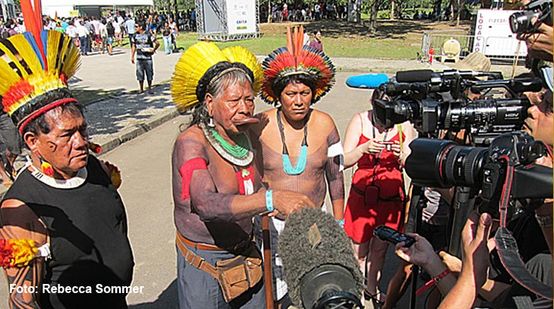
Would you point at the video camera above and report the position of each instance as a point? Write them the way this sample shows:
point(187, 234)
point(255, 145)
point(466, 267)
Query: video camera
point(436, 101)
point(522, 22)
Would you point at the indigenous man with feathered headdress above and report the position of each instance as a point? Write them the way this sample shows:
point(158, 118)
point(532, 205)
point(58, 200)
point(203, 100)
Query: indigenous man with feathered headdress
point(63, 230)
point(301, 145)
point(217, 187)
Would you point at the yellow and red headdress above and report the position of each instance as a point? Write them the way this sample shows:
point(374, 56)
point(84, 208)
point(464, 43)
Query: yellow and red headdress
point(34, 68)
point(203, 62)
point(296, 59)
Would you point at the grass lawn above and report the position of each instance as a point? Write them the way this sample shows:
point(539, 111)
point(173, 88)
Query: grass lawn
point(393, 40)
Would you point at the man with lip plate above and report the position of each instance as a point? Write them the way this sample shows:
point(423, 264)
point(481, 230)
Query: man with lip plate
point(217, 188)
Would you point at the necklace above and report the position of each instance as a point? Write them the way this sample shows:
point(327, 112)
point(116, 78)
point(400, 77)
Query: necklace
point(239, 154)
point(302, 158)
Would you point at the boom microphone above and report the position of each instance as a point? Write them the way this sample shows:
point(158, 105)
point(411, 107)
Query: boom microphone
point(367, 81)
point(320, 268)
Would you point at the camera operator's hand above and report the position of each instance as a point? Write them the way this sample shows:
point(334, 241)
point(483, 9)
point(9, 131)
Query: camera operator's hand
point(453, 263)
point(475, 263)
point(371, 147)
point(420, 253)
point(539, 45)
point(287, 202)
point(475, 236)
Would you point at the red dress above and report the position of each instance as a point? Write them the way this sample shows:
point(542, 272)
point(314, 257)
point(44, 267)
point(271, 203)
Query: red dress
point(369, 208)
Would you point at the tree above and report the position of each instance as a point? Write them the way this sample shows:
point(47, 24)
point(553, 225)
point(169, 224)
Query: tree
point(373, 16)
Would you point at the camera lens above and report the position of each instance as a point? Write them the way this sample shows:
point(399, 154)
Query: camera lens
point(462, 166)
point(451, 165)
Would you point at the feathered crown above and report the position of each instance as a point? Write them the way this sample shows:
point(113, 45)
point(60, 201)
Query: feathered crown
point(204, 62)
point(296, 59)
point(34, 68)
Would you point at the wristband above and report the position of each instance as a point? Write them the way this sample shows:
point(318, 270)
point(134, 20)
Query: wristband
point(340, 222)
point(269, 200)
point(434, 281)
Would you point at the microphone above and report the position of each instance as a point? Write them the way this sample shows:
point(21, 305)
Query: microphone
point(320, 268)
point(367, 81)
point(412, 76)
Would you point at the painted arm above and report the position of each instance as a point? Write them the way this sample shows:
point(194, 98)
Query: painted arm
point(334, 175)
point(20, 222)
point(211, 205)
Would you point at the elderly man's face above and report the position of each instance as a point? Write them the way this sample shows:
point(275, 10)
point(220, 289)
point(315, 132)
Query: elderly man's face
point(66, 145)
point(233, 109)
point(296, 99)
point(539, 122)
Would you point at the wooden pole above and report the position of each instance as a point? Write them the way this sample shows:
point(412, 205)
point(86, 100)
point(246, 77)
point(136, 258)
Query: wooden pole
point(268, 271)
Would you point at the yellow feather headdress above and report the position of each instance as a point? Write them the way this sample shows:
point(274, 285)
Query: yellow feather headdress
point(34, 68)
point(197, 68)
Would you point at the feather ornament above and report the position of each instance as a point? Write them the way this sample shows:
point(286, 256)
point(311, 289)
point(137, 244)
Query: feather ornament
point(196, 61)
point(297, 59)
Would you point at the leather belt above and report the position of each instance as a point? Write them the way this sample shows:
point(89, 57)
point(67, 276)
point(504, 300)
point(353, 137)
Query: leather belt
point(197, 245)
point(194, 259)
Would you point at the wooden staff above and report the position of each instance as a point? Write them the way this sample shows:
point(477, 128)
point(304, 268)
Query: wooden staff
point(268, 271)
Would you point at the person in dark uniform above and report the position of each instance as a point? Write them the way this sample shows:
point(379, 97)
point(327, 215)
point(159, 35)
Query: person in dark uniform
point(63, 227)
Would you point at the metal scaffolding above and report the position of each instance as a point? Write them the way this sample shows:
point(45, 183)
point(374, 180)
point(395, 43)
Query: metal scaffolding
point(219, 12)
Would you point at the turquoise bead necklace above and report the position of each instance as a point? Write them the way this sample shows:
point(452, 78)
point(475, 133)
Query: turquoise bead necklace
point(302, 158)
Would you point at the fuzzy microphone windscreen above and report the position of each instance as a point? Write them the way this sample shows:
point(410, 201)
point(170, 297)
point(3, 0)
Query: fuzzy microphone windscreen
point(310, 239)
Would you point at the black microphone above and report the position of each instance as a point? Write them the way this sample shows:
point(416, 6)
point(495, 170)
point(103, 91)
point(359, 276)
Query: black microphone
point(412, 76)
point(321, 270)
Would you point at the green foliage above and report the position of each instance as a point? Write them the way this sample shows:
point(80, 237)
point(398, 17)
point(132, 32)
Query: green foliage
point(369, 47)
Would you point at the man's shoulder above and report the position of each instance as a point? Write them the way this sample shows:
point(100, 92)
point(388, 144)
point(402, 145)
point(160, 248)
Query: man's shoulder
point(322, 118)
point(191, 134)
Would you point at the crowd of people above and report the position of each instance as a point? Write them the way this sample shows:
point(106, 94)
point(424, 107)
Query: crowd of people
point(236, 175)
point(307, 12)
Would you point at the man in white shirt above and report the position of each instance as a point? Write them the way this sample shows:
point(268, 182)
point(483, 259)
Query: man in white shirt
point(130, 28)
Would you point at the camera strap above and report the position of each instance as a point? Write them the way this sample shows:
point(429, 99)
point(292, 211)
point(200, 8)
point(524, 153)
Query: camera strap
point(506, 244)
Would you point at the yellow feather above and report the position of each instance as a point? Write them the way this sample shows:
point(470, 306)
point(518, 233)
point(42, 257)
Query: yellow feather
point(26, 53)
point(244, 56)
point(10, 57)
point(71, 59)
point(7, 76)
point(190, 68)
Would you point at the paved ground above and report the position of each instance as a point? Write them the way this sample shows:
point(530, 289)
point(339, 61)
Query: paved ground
point(145, 160)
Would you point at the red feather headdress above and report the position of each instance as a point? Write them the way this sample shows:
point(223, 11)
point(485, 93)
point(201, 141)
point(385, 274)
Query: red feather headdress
point(296, 59)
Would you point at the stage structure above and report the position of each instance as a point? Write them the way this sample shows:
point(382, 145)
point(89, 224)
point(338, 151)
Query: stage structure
point(227, 20)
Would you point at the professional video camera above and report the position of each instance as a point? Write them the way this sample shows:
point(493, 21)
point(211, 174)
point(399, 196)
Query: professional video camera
point(522, 22)
point(437, 101)
point(442, 163)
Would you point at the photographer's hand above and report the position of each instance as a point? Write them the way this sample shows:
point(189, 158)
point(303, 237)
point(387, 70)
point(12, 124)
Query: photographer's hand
point(420, 253)
point(453, 263)
point(539, 45)
point(475, 263)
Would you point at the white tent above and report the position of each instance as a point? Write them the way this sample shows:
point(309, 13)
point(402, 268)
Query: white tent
point(65, 8)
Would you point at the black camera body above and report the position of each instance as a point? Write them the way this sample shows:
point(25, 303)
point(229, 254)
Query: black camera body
point(442, 163)
point(522, 22)
point(438, 101)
